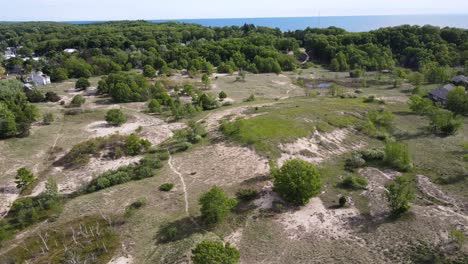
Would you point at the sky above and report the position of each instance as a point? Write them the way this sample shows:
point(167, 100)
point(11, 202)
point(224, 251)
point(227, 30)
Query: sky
point(82, 10)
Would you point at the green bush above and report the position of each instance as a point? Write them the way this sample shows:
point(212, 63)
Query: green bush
point(77, 101)
point(354, 182)
point(397, 156)
point(211, 252)
point(115, 117)
point(355, 161)
point(246, 194)
point(166, 187)
point(445, 123)
point(399, 195)
point(82, 84)
point(372, 154)
point(422, 106)
point(48, 118)
point(457, 101)
point(129, 210)
point(154, 106)
point(355, 73)
point(215, 205)
point(342, 201)
point(251, 98)
point(135, 145)
point(296, 181)
point(24, 178)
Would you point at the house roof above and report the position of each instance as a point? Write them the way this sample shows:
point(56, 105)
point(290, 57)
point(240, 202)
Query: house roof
point(459, 79)
point(442, 91)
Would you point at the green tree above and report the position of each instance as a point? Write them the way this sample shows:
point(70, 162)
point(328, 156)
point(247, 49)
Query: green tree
point(8, 126)
point(135, 145)
point(149, 71)
point(154, 106)
point(420, 105)
point(297, 181)
point(24, 178)
point(115, 117)
point(222, 95)
point(82, 84)
point(399, 195)
point(51, 189)
point(457, 101)
point(397, 155)
point(206, 80)
point(77, 101)
point(445, 122)
point(215, 205)
point(59, 74)
point(211, 252)
point(334, 65)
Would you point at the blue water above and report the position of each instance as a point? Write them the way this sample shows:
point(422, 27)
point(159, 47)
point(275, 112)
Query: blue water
point(350, 23)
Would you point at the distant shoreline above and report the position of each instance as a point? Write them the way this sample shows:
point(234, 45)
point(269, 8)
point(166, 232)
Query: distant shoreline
point(350, 23)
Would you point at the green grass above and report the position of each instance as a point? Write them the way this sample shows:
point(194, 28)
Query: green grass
point(285, 122)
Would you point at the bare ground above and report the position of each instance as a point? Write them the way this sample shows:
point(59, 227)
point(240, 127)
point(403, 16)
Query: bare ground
point(319, 146)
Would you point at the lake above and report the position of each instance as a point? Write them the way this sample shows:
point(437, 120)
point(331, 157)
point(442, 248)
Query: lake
point(350, 23)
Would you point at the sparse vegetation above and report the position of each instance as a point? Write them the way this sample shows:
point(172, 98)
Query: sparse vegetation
point(397, 156)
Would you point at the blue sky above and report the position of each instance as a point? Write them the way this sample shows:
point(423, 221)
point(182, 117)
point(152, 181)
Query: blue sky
point(68, 10)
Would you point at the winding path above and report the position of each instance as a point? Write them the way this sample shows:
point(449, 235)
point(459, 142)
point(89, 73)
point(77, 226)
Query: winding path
point(184, 187)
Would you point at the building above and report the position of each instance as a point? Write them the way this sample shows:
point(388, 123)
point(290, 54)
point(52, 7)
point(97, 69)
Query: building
point(9, 53)
point(39, 78)
point(460, 80)
point(439, 95)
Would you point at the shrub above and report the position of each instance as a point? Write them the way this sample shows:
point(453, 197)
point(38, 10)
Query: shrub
point(222, 95)
point(342, 201)
point(372, 154)
point(355, 161)
point(297, 181)
point(355, 73)
point(246, 194)
point(34, 96)
point(129, 210)
point(444, 122)
point(154, 106)
point(354, 182)
point(397, 155)
point(115, 117)
point(82, 84)
point(165, 187)
point(149, 71)
point(77, 101)
point(52, 97)
point(251, 98)
point(135, 145)
point(24, 178)
point(210, 252)
point(48, 118)
point(457, 101)
point(215, 205)
point(422, 106)
point(457, 236)
point(399, 195)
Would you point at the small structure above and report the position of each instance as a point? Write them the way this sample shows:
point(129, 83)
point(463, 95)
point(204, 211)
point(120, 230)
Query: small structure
point(38, 78)
point(70, 51)
point(460, 80)
point(10, 52)
point(439, 95)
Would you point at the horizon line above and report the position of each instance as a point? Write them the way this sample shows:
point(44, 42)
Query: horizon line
point(233, 18)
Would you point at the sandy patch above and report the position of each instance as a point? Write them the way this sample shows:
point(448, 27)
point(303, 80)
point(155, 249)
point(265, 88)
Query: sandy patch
point(430, 189)
point(8, 194)
point(235, 238)
point(319, 146)
point(227, 165)
point(267, 197)
point(71, 180)
point(375, 192)
point(316, 219)
point(212, 120)
point(154, 129)
point(122, 260)
point(394, 99)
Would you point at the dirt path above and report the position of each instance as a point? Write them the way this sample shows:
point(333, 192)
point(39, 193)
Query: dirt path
point(184, 187)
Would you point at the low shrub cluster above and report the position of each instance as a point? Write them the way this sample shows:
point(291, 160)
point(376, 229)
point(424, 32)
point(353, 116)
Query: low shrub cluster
point(397, 156)
point(378, 124)
point(143, 169)
point(130, 210)
point(166, 187)
point(116, 146)
point(354, 182)
point(359, 158)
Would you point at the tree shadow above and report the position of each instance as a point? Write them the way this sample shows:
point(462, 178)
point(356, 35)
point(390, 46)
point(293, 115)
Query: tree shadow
point(422, 132)
point(256, 179)
point(179, 229)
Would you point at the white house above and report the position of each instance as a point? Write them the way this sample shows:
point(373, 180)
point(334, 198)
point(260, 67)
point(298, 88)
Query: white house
point(39, 78)
point(70, 51)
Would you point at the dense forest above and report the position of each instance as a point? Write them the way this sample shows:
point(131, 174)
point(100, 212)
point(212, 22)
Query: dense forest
point(109, 47)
